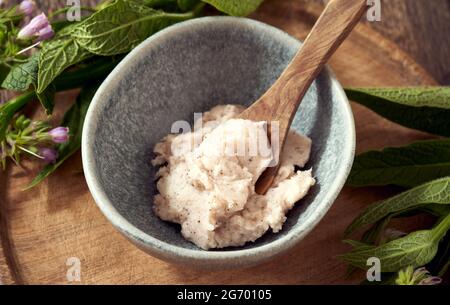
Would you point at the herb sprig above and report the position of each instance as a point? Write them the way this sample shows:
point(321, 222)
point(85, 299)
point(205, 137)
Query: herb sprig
point(423, 168)
point(49, 55)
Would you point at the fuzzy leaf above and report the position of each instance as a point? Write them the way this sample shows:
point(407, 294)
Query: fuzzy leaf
point(56, 56)
point(404, 166)
point(235, 7)
point(415, 249)
point(23, 75)
point(426, 109)
point(437, 191)
point(120, 27)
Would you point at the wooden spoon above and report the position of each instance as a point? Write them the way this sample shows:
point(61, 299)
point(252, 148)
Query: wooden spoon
point(280, 103)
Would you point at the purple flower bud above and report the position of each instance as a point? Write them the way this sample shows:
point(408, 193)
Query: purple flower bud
point(432, 280)
point(48, 154)
point(36, 24)
point(59, 134)
point(27, 7)
point(46, 33)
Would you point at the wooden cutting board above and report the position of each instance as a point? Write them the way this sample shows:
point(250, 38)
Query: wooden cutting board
point(42, 228)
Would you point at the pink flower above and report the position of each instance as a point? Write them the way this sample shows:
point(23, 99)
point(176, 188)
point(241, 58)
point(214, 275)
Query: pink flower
point(27, 7)
point(48, 154)
point(59, 134)
point(46, 33)
point(36, 24)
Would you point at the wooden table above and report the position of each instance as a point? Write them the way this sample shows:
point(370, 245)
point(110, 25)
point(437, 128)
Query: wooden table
point(420, 27)
point(40, 229)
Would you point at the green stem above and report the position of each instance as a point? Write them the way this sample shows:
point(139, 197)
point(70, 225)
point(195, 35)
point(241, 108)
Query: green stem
point(8, 110)
point(67, 81)
point(184, 16)
point(157, 3)
point(90, 73)
point(30, 152)
point(65, 9)
point(441, 229)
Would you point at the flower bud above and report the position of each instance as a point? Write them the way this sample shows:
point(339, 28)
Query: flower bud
point(46, 33)
point(59, 134)
point(36, 24)
point(48, 154)
point(27, 7)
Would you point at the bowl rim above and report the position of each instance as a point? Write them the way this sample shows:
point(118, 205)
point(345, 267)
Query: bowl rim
point(172, 252)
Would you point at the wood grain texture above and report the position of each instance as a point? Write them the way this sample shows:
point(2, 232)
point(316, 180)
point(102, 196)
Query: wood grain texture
point(421, 28)
point(42, 228)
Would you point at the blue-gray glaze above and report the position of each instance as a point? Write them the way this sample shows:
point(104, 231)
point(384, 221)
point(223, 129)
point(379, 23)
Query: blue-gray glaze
point(187, 68)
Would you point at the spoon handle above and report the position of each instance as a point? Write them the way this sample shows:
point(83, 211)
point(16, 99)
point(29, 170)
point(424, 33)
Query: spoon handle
point(281, 101)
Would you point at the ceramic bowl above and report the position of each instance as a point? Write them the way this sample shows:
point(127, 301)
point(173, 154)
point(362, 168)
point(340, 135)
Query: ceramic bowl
point(191, 67)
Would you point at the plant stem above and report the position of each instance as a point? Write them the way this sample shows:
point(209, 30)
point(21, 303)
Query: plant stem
point(67, 81)
point(8, 110)
point(65, 9)
point(90, 73)
point(441, 229)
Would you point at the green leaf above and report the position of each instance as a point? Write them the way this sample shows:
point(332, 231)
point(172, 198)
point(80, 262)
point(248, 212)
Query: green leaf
point(155, 3)
point(74, 119)
point(23, 75)
point(235, 7)
point(8, 109)
point(372, 235)
point(61, 25)
point(120, 27)
point(4, 71)
point(56, 56)
point(440, 263)
point(186, 5)
point(437, 210)
point(404, 166)
point(415, 249)
point(437, 191)
point(47, 99)
point(426, 109)
point(358, 245)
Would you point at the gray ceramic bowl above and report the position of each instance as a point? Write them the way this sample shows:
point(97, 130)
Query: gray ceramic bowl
point(187, 68)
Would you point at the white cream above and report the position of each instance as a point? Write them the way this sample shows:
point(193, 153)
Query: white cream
point(211, 192)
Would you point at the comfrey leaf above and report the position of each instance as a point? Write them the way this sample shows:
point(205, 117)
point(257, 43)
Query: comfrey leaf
point(186, 5)
point(440, 263)
point(47, 98)
point(73, 120)
point(4, 71)
point(371, 236)
point(10, 108)
point(406, 166)
point(120, 27)
point(235, 7)
point(358, 245)
point(426, 109)
point(56, 56)
point(23, 75)
point(416, 249)
point(437, 192)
